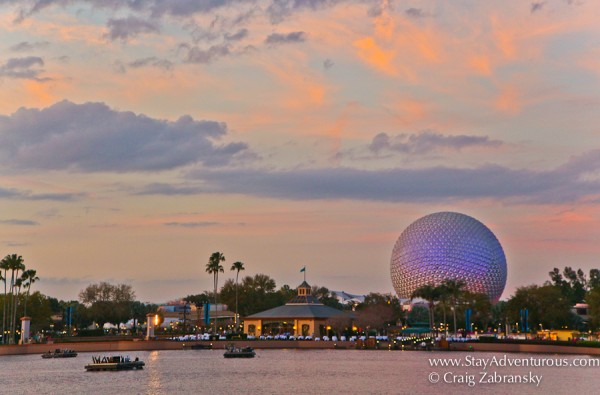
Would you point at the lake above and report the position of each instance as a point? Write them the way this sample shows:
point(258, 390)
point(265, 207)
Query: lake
point(306, 372)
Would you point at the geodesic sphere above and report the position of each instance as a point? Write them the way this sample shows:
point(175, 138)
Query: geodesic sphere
point(448, 245)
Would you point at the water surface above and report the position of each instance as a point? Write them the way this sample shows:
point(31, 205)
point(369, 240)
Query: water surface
point(292, 371)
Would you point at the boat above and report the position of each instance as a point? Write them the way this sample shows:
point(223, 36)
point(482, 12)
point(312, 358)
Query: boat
point(59, 353)
point(117, 362)
point(200, 346)
point(236, 352)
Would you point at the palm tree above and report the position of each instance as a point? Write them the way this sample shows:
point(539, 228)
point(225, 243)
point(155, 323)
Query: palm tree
point(214, 267)
point(238, 266)
point(3, 266)
point(14, 263)
point(29, 277)
point(455, 290)
point(430, 293)
point(443, 295)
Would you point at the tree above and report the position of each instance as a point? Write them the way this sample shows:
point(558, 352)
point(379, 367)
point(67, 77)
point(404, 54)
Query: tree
point(378, 311)
point(14, 263)
point(594, 281)
point(40, 310)
point(546, 305)
point(237, 266)
point(29, 276)
point(4, 266)
point(443, 298)
point(326, 297)
point(593, 299)
point(572, 284)
point(214, 267)
point(481, 308)
point(429, 293)
point(256, 293)
point(107, 302)
point(417, 314)
point(454, 290)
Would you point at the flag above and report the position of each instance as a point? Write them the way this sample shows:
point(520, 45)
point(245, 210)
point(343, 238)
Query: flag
point(303, 269)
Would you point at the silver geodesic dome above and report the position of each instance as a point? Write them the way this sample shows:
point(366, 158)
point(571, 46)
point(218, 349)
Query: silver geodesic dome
point(448, 245)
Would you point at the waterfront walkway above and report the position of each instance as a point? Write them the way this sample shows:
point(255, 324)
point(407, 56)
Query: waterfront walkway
point(120, 346)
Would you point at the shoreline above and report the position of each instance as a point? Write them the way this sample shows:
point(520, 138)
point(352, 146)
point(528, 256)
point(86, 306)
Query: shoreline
point(152, 345)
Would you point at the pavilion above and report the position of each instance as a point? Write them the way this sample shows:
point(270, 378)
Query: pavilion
point(303, 315)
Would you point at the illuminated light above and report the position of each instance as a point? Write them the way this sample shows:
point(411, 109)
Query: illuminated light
point(448, 245)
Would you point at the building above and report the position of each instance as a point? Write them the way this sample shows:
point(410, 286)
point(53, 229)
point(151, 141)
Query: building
point(304, 315)
point(346, 298)
point(175, 313)
point(448, 246)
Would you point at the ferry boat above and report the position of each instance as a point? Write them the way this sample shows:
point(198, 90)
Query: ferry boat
point(201, 346)
point(59, 353)
point(235, 352)
point(117, 362)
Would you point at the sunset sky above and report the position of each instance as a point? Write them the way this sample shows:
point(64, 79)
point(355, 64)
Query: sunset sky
point(138, 137)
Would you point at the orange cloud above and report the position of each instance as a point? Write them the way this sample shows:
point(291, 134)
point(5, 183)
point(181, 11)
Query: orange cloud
point(38, 93)
point(370, 52)
point(481, 64)
point(508, 100)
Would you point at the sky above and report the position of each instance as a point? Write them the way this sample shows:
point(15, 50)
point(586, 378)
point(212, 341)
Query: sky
point(139, 137)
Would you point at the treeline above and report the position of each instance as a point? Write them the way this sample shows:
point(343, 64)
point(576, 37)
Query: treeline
point(17, 281)
point(260, 292)
point(548, 306)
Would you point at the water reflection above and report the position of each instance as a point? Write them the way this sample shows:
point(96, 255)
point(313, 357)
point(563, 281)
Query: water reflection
point(154, 387)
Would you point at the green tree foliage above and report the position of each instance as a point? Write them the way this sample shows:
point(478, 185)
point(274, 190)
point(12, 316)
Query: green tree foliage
point(572, 284)
point(326, 297)
point(214, 267)
point(594, 280)
point(378, 311)
point(256, 293)
point(546, 305)
point(431, 294)
point(108, 303)
point(237, 266)
point(287, 293)
point(593, 300)
point(481, 310)
point(499, 313)
point(198, 299)
point(40, 311)
point(14, 278)
point(417, 314)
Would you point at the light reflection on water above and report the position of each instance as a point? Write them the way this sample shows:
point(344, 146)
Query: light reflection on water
point(279, 371)
point(153, 371)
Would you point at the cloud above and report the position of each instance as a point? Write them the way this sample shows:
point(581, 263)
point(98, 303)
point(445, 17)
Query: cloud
point(237, 36)
point(25, 46)
point(191, 224)
point(168, 189)
point(578, 180)
point(24, 222)
point(204, 56)
point(328, 64)
point(125, 28)
point(278, 10)
point(151, 61)
point(6, 193)
point(92, 137)
point(537, 6)
point(278, 38)
point(415, 13)
point(23, 68)
point(428, 141)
